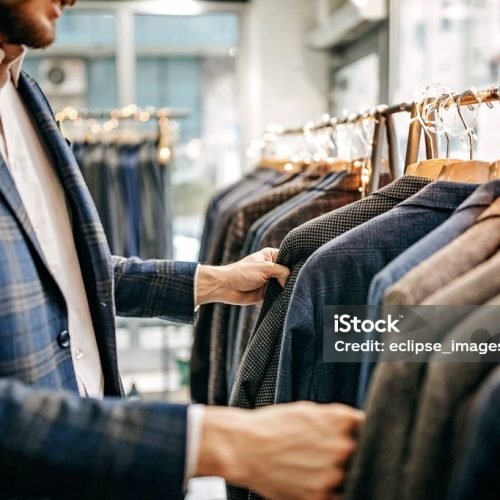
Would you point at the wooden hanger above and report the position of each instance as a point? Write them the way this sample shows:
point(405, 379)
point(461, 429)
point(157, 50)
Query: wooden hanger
point(283, 165)
point(495, 170)
point(369, 167)
point(392, 148)
point(370, 180)
point(431, 169)
point(470, 172)
point(453, 170)
point(328, 166)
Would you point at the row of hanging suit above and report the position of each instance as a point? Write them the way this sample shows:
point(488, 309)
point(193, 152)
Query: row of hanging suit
point(132, 193)
point(430, 237)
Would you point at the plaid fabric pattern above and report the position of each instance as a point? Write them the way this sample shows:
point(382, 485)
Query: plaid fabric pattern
point(255, 383)
point(56, 445)
point(240, 222)
point(50, 434)
point(154, 289)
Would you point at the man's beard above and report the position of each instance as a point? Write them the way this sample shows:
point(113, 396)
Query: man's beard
point(19, 28)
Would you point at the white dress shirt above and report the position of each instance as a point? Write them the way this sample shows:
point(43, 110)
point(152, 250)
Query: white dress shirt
point(43, 197)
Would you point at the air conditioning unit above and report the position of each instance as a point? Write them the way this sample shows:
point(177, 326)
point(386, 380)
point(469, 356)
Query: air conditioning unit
point(63, 77)
point(348, 20)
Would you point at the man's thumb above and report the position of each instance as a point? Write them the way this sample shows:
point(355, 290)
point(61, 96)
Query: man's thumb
point(279, 272)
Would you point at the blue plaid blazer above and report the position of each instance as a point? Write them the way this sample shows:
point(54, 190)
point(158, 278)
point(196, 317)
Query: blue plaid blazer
point(52, 442)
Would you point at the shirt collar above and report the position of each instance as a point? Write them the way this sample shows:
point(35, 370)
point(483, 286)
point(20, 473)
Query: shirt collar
point(11, 60)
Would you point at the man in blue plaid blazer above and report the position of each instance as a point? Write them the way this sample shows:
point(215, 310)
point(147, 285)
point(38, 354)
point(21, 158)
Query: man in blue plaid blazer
point(54, 441)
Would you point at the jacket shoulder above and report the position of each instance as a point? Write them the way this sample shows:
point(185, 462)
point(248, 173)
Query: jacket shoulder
point(30, 80)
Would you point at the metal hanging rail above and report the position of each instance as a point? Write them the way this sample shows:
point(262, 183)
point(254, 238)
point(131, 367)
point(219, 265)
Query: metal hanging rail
point(160, 116)
point(131, 112)
point(468, 98)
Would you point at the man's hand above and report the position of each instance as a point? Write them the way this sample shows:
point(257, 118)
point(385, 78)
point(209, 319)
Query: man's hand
point(298, 451)
point(241, 283)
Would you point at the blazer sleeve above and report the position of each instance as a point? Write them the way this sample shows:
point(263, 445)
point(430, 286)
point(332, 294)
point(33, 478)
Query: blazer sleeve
point(58, 445)
point(155, 289)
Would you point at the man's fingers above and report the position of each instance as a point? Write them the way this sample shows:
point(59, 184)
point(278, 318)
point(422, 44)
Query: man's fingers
point(270, 254)
point(346, 450)
point(264, 255)
point(279, 272)
point(347, 410)
point(352, 417)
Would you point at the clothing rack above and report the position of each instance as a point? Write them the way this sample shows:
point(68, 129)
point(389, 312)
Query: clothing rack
point(132, 112)
point(467, 98)
point(384, 113)
point(330, 122)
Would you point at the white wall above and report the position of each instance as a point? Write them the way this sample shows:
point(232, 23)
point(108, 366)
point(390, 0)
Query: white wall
point(220, 135)
point(280, 80)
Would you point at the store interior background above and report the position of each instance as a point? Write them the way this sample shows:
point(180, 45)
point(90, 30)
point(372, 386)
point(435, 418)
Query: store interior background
point(238, 67)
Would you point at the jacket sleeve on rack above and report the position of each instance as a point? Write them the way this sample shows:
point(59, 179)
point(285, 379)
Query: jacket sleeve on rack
point(155, 289)
point(58, 445)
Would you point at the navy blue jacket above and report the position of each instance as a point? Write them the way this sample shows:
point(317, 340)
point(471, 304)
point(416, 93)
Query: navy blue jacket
point(340, 273)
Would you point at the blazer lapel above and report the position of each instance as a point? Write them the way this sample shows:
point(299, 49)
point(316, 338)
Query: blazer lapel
point(85, 217)
point(93, 250)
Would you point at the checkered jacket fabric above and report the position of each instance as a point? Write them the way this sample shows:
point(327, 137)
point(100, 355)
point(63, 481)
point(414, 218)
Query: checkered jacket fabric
point(51, 438)
point(255, 382)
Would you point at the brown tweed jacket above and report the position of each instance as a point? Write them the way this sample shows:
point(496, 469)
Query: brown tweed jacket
point(467, 251)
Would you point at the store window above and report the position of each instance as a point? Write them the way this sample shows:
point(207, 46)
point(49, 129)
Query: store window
point(189, 63)
point(201, 33)
point(80, 68)
point(455, 43)
point(352, 90)
point(86, 28)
